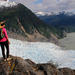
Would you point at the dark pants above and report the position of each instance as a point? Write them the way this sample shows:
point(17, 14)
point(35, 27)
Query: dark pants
point(3, 45)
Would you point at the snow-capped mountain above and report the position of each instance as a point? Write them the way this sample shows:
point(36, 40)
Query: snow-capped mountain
point(7, 4)
point(42, 52)
point(46, 13)
point(42, 13)
point(53, 13)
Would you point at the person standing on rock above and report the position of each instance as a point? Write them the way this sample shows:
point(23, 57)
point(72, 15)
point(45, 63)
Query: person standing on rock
point(4, 42)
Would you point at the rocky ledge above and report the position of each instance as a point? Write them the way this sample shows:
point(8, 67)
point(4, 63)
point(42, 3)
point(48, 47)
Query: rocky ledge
point(19, 66)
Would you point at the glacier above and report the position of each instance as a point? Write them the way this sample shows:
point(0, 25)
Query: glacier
point(42, 52)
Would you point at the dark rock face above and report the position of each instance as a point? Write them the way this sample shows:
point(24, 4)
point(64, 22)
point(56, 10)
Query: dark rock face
point(67, 71)
point(19, 66)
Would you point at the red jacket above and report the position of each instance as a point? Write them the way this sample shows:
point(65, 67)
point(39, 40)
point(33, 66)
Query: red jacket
point(5, 33)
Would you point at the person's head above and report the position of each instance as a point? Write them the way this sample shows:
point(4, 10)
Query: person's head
point(2, 24)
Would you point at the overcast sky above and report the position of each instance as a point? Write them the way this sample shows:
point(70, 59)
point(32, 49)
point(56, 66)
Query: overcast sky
point(49, 5)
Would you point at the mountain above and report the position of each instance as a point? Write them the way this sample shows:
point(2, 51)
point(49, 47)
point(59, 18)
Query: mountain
point(21, 20)
point(63, 21)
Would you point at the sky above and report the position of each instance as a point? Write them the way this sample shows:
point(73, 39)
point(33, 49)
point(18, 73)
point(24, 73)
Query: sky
point(49, 5)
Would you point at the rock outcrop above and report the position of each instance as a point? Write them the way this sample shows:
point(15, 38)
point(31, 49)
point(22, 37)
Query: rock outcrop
point(19, 66)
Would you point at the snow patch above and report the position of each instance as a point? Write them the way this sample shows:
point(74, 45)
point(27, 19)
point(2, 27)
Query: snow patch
point(40, 13)
point(7, 4)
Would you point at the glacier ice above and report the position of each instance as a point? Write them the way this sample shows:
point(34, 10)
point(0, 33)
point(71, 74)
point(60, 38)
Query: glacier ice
point(42, 52)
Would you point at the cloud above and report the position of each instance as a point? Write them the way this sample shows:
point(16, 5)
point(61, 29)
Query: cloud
point(49, 5)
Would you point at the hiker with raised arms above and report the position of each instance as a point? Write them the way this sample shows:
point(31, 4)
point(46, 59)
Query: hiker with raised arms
point(4, 42)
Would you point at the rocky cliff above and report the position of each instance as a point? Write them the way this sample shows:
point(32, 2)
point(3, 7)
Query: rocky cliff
point(19, 66)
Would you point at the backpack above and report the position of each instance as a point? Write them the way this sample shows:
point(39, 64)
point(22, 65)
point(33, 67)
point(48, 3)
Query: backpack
point(1, 34)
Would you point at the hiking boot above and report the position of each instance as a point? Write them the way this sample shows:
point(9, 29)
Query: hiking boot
point(5, 59)
point(8, 59)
